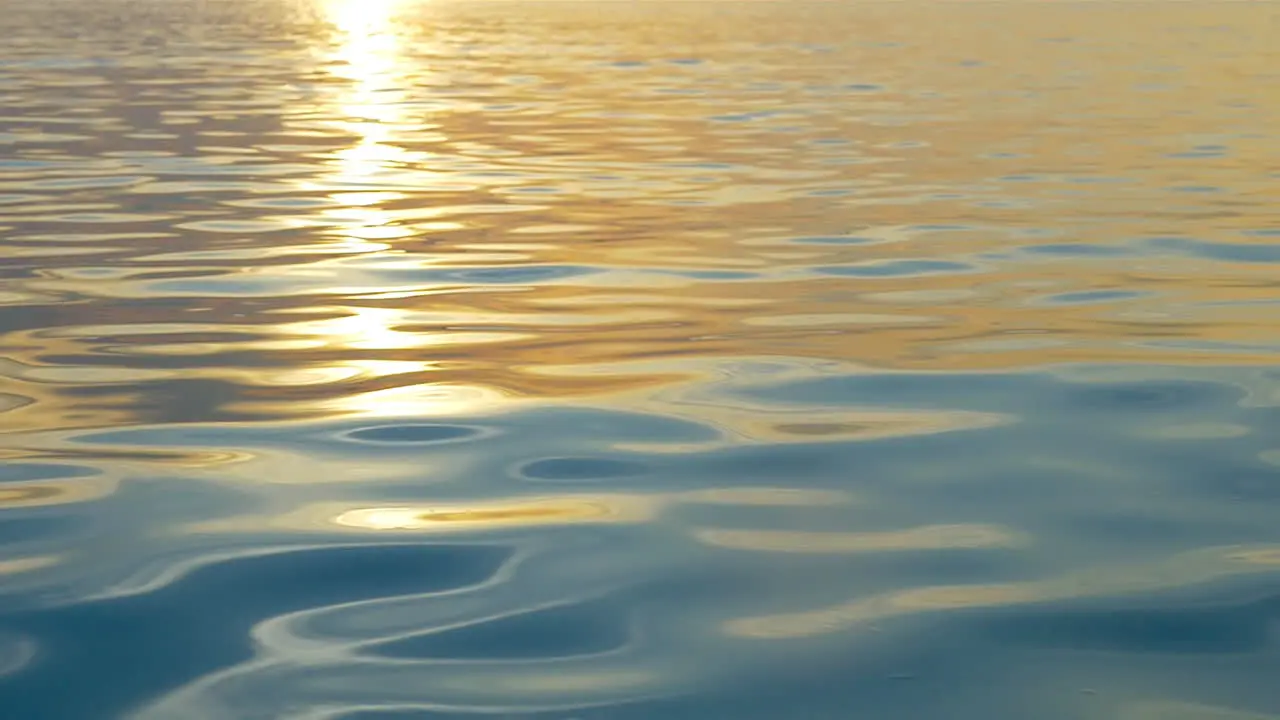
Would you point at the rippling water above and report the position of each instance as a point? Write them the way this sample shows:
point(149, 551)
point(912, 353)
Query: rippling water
point(394, 359)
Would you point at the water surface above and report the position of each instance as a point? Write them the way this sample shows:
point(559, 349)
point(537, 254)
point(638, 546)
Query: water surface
point(391, 359)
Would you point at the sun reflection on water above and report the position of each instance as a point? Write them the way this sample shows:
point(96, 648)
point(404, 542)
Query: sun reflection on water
point(374, 110)
point(367, 56)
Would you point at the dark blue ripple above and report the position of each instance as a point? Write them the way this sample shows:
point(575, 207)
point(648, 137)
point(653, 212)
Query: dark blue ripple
point(897, 268)
point(513, 274)
point(1194, 631)
point(212, 610)
point(19, 472)
point(1077, 250)
point(1230, 252)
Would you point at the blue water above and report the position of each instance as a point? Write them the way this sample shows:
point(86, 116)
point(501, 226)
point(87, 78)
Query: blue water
point(590, 360)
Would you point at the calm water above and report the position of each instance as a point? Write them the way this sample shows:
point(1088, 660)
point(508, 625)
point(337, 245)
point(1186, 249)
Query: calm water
point(374, 359)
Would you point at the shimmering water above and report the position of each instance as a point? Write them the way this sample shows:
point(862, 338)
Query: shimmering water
point(390, 359)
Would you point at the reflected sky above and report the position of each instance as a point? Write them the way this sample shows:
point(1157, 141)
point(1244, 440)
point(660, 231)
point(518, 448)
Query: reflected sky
point(615, 360)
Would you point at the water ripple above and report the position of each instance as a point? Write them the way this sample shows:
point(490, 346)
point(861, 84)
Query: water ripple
point(387, 358)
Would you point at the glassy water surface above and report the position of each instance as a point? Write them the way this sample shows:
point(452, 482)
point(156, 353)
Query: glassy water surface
point(391, 359)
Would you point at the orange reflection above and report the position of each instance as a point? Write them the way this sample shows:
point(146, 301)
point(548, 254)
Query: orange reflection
point(537, 512)
point(300, 293)
point(517, 512)
point(53, 492)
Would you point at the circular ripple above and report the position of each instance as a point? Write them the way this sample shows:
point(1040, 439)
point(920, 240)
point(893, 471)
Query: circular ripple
point(413, 434)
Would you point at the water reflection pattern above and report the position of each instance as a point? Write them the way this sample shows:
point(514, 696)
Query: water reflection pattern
point(618, 360)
